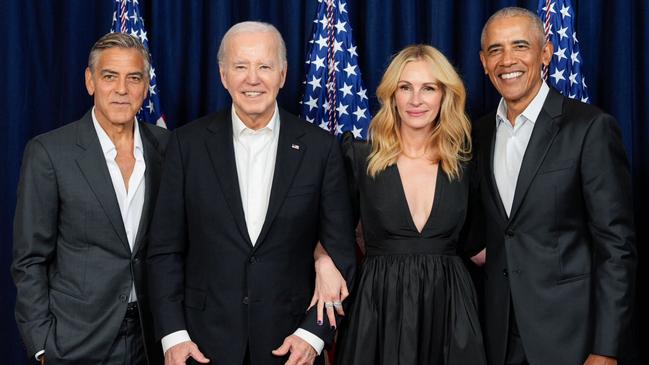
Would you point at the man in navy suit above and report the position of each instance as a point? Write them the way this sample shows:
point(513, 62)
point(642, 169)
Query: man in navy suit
point(245, 196)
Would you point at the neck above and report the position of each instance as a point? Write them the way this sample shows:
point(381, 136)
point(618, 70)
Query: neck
point(517, 107)
point(118, 133)
point(415, 143)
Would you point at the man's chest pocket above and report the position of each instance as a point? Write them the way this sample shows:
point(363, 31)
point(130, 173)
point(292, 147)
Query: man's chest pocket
point(557, 166)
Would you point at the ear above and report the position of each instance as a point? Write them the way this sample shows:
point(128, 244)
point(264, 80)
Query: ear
point(90, 83)
point(546, 53)
point(224, 79)
point(283, 74)
point(483, 60)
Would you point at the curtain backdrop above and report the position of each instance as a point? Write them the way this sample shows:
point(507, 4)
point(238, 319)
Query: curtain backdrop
point(46, 45)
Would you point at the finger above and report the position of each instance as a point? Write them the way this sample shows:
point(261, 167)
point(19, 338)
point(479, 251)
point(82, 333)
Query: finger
point(314, 300)
point(344, 293)
point(292, 360)
point(332, 317)
point(339, 310)
point(319, 312)
point(282, 350)
point(198, 355)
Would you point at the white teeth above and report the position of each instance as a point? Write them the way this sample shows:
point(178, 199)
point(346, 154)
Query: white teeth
point(252, 93)
point(511, 75)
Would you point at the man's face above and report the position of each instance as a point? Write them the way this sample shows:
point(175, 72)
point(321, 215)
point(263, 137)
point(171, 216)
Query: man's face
point(119, 85)
point(512, 57)
point(253, 73)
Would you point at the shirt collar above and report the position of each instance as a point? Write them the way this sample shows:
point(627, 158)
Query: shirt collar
point(107, 145)
point(531, 113)
point(238, 127)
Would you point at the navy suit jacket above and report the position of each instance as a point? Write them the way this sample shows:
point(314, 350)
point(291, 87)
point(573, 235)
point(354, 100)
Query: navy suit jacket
point(208, 278)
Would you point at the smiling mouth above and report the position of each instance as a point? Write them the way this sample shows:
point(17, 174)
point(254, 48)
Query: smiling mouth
point(252, 94)
point(416, 113)
point(511, 75)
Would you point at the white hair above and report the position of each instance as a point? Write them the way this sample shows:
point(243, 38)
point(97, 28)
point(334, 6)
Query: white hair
point(253, 27)
point(513, 11)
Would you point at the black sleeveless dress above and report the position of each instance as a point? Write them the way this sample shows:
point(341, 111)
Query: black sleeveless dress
point(413, 301)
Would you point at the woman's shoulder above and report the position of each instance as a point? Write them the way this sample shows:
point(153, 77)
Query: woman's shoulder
point(355, 148)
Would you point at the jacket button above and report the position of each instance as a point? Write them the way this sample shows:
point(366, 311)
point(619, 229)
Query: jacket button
point(505, 273)
point(252, 259)
point(509, 233)
point(122, 298)
point(245, 300)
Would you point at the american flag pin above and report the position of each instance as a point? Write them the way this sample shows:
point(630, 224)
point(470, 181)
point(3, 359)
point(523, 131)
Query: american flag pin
point(295, 146)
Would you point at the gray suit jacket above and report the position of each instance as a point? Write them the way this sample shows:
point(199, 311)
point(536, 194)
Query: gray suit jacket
point(73, 267)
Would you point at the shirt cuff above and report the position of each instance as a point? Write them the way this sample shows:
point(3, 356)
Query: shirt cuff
point(38, 355)
point(173, 339)
point(313, 340)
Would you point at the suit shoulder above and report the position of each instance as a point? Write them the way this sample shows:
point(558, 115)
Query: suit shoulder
point(309, 129)
point(575, 109)
point(198, 126)
point(60, 136)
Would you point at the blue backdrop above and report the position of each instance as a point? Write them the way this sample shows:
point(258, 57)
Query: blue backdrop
point(46, 45)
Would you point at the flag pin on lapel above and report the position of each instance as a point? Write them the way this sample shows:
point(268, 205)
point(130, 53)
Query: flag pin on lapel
point(295, 146)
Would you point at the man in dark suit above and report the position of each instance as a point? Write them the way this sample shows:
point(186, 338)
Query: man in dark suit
point(245, 196)
point(85, 198)
point(556, 201)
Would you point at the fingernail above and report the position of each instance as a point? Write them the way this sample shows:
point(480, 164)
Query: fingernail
point(333, 327)
point(319, 323)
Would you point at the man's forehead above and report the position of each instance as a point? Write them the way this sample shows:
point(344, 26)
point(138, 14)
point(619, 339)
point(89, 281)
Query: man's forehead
point(510, 30)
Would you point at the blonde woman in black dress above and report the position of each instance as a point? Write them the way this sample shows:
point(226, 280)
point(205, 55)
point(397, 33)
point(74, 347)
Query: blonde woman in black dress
point(413, 302)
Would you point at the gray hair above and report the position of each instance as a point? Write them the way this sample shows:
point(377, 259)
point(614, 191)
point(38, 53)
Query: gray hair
point(513, 11)
point(120, 40)
point(253, 27)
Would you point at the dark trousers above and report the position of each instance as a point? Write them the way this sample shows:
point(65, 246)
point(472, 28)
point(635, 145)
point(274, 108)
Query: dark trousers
point(128, 348)
point(515, 350)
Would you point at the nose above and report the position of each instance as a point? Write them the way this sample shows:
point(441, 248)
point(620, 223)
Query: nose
point(252, 77)
point(120, 87)
point(415, 97)
point(508, 57)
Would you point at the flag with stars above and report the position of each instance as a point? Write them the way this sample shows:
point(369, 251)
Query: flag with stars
point(565, 69)
point(127, 19)
point(334, 97)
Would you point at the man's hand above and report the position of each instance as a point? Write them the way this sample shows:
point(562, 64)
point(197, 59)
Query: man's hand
point(330, 287)
point(42, 359)
point(301, 352)
point(178, 354)
point(600, 360)
point(480, 258)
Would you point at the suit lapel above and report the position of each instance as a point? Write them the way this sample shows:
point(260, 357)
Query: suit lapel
point(93, 167)
point(153, 161)
point(545, 130)
point(221, 151)
point(290, 151)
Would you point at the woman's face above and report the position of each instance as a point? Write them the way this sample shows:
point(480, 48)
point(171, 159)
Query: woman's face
point(418, 96)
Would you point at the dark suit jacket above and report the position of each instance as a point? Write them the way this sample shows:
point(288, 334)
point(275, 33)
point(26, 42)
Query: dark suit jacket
point(567, 253)
point(206, 276)
point(73, 267)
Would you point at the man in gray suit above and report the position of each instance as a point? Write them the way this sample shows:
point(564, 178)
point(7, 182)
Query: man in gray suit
point(85, 199)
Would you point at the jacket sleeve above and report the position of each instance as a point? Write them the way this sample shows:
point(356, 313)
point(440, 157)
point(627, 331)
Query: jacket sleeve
point(35, 235)
point(607, 191)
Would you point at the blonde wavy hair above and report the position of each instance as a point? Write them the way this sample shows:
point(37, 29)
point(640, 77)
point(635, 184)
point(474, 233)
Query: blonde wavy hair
point(451, 136)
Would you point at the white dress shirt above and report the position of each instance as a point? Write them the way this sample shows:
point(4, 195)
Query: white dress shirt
point(130, 202)
point(255, 152)
point(511, 143)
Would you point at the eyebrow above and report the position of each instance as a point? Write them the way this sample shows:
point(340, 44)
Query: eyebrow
point(112, 72)
point(516, 42)
point(432, 83)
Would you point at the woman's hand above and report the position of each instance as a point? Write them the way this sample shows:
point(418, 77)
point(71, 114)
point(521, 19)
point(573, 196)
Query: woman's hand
point(330, 287)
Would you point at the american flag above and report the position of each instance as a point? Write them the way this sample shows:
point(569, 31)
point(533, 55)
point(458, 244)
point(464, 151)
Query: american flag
point(334, 97)
point(127, 19)
point(565, 69)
